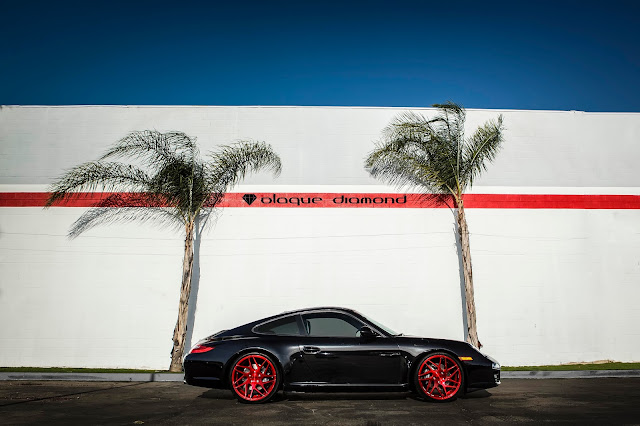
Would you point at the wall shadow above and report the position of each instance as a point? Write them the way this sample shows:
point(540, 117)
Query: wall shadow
point(202, 222)
point(463, 295)
point(195, 285)
point(430, 200)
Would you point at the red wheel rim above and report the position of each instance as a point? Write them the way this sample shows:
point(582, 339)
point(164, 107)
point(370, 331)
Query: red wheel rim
point(439, 377)
point(253, 377)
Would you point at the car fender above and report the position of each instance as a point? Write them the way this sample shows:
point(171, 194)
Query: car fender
point(244, 351)
point(416, 360)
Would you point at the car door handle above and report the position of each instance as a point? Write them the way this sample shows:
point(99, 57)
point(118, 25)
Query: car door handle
point(390, 354)
point(310, 350)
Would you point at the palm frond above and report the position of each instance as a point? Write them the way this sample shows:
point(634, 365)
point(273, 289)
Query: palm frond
point(96, 216)
point(153, 148)
point(406, 168)
point(433, 153)
point(94, 175)
point(408, 125)
point(449, 122)
point(124, 207)
point(231, 163)
point(452, 108)
point(451, 117)
point(183, 183)
point(482, 149)
point(427, 143)
point(171, 183)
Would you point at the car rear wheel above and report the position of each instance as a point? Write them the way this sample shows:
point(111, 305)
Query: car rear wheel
point(439, 377)
point(254, 378)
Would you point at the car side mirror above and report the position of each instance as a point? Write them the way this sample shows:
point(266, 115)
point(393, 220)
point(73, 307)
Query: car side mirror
point(367, 334)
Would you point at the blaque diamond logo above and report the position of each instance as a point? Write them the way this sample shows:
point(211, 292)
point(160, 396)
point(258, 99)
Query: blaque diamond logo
point(313, 200)
point(249, 198)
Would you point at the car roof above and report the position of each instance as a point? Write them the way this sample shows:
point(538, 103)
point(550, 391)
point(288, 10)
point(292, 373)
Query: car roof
point(298, 312)
point(248, 328)
point(319, 308)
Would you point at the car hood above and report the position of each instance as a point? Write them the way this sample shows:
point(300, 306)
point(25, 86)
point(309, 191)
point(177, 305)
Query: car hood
point(455, 345)
point(422, 340)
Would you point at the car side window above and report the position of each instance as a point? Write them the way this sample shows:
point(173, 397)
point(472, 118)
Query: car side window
point(283, 326)
point(331, 325)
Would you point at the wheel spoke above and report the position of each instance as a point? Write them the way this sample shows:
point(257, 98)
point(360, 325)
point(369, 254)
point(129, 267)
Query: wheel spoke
point(444, 389)
point(252, 362)
point(244, 389)
point(250, 395)
point(240, 370)
point(453, 368)
point(455, 380)
point(265, 364)
point(428, 369)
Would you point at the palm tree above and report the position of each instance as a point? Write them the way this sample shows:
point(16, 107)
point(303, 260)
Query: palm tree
point(163, 178)
point(434, 155)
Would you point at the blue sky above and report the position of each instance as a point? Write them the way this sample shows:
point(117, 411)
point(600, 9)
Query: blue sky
point(564, 55)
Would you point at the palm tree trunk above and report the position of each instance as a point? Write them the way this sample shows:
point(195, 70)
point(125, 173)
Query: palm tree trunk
point(463, 230)
point(180, 331)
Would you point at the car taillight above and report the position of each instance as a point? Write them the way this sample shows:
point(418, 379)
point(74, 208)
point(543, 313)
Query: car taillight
point(198, 349)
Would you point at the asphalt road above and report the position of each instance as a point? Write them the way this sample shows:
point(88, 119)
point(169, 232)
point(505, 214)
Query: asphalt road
point(576, 401)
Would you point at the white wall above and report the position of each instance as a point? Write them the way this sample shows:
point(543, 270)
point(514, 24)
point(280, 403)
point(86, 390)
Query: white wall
point(325, 145)
point(552, 285)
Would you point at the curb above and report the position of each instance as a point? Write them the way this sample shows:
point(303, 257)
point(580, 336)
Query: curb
point(575, 374)
point(177, 377)
point(96, 377)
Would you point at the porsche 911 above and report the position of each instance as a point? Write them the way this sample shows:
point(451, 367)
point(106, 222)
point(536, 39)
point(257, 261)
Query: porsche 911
point(334, 349)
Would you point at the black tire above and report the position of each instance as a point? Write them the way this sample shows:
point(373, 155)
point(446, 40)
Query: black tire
point(254, 378)
point(439, 377)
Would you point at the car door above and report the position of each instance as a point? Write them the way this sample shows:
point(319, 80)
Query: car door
point(282, 336)
point(337, 355)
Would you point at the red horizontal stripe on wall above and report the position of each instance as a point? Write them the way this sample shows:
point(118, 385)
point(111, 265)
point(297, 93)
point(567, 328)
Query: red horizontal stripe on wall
point(551, 201)
point(360, 200)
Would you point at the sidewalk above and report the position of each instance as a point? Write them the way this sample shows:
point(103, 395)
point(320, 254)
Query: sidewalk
point(96, 377)
point(574, 374)
point(177, 377)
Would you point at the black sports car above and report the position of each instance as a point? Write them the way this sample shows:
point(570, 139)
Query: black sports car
point(328, 349)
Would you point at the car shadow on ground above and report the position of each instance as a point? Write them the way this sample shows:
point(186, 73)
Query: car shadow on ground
point(340, 396)
point(476, 394)
point(221, 394)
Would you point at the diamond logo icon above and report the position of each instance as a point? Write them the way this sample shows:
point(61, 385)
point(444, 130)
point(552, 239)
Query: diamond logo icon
point(249, 198)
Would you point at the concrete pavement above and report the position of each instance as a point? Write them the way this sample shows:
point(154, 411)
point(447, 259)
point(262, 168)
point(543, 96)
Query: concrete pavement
point(608, 401)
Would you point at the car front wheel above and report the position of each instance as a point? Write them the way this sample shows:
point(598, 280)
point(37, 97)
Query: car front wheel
point(254, 378)
point(439, 377)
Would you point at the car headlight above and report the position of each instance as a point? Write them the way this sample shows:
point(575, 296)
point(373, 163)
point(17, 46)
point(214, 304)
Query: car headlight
point(495, 366)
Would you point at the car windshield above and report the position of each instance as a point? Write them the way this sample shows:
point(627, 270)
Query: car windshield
point(382, 327)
